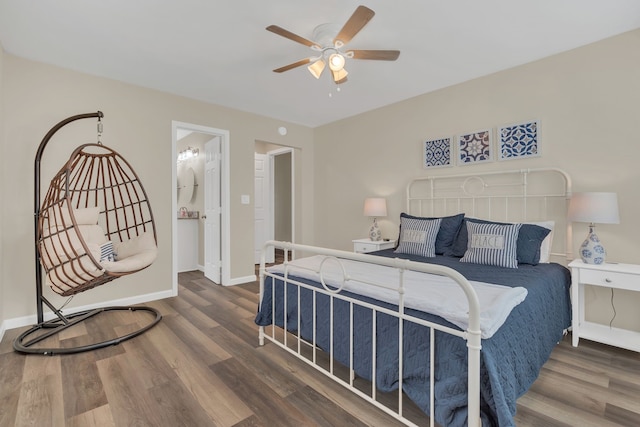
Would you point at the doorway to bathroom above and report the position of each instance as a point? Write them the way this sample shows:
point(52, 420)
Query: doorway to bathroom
point(200, 201)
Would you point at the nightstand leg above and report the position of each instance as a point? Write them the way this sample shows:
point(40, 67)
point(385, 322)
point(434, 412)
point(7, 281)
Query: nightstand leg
point(575, 306)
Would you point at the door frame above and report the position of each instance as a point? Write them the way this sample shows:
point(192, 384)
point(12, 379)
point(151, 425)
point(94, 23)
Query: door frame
point(225, 220)
point(272, 154)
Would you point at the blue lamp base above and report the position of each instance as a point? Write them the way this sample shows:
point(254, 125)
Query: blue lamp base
point(374, 232)
point(591, 250)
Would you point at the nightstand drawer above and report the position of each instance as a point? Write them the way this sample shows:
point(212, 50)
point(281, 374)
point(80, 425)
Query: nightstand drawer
point(365, 247)
point(610, 279)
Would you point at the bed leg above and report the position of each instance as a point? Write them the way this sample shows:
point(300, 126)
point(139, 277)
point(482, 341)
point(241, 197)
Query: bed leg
point(261, 335)
point(352, 374)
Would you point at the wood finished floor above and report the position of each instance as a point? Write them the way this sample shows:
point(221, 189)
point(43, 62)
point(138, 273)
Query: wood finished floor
point(202, 366)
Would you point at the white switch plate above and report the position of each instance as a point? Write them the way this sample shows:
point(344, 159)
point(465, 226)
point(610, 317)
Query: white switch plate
point(245, 199)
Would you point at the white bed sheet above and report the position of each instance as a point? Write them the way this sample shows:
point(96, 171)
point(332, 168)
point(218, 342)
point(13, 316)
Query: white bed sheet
point(430, 293)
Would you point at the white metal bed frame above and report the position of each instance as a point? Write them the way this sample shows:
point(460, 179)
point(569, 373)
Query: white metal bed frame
point(502, 196)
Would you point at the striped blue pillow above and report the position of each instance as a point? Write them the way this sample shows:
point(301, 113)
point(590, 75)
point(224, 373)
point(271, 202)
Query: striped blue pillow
point(418, 236)
point(492, 244)
point(106, 252)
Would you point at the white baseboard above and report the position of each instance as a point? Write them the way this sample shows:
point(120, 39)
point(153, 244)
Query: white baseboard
point(197, 268)
point(2, 329)
point(19, 322)
point(241, 280)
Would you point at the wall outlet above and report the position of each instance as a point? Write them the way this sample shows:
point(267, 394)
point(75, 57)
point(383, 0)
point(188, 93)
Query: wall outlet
point(245, 199)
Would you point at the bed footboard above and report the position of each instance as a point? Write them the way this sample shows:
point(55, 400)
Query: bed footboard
point(337, 331)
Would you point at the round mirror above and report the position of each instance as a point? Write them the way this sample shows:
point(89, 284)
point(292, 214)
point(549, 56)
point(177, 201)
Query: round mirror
point(187, 180)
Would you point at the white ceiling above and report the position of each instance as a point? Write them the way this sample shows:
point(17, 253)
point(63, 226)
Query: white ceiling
point(219, 51)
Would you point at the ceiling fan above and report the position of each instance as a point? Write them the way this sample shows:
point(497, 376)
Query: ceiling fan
point(329, 46)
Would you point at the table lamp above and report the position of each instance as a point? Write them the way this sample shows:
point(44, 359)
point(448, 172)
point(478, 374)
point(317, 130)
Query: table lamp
point(594, 208)
point(375, 207)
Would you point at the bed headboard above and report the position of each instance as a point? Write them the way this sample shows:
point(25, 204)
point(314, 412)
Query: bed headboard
point(508, 196)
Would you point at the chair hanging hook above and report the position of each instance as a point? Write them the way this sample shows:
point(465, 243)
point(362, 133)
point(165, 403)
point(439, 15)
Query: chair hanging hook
point(99, 129)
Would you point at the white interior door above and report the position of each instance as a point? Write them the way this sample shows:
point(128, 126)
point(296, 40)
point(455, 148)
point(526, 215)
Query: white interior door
point(263, 207)
point(212, 210)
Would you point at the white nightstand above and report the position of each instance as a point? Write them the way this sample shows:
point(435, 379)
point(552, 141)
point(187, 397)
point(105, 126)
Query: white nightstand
point(618, 276)
point(367, 245)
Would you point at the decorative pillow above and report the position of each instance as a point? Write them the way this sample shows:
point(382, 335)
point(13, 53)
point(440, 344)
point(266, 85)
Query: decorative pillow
point(134, 246)
point(106, 252)
point(492, 244)
point(448, 230)
point(83, 216)
point(418, 236)
point(92, 234)
point(545, 247)
point(529, 244)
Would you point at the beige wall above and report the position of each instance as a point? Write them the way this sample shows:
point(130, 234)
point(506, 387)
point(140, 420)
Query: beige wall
point(587, 101)
point(138, 125)
point(282, 197)
point(2, 204)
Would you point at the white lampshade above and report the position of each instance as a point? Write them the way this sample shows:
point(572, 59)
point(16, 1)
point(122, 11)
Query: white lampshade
point(599, 208)
point(339, 76)
point(594, 208)
point(375, 206)
point(316, 68)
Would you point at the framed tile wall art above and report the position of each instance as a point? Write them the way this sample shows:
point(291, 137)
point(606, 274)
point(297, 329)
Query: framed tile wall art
point(436, 153)
point(475, 147)
point(519, 140)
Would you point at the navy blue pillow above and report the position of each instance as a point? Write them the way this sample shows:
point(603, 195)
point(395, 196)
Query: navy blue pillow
point(530, 240)
point(448, 231)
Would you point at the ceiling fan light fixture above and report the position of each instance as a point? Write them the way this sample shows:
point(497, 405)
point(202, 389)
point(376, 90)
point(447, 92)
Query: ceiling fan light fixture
point(339, 76)
point(328, 42)
point(316, 68)
point(336, 62)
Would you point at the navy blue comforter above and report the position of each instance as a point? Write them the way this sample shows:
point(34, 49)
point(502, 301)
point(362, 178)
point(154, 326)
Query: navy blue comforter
point(510, 360)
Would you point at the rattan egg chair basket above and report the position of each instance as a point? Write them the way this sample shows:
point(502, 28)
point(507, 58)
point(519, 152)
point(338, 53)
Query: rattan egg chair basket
point(94, 225)
point(96, 203)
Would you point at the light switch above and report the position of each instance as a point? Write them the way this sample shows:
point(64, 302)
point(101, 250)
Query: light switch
point(244, 199)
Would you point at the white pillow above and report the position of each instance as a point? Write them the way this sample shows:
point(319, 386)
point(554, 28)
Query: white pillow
point(57, 243)
point(92, 234)
point(134, 254)
point(71, 274)
point(83, 216)
point(133, 262)
point(545, 247)
point(134, 246)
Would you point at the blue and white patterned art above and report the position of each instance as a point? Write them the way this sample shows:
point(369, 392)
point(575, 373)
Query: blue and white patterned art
point(437, 153)
point(475, 147)
point(519, 140)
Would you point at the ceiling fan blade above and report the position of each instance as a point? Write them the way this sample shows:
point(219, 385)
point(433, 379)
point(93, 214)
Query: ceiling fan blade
point(291, 36)
point(358, 20)
point(291, 66)
point(381, 55)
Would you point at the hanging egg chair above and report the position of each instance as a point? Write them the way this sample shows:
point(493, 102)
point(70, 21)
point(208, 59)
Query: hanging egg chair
point(94, 225)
